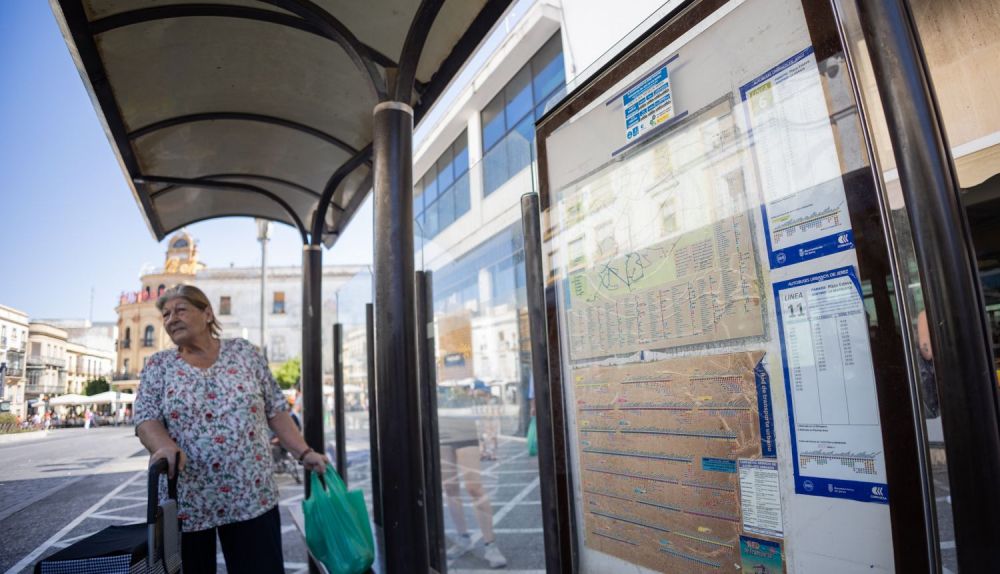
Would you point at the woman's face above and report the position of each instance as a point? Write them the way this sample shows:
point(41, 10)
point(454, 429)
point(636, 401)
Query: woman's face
point(184, 322)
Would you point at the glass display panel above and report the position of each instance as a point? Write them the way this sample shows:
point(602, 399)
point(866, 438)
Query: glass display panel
point(961, 44)
point(351, 298)
point(482, 370)
point(715, 328)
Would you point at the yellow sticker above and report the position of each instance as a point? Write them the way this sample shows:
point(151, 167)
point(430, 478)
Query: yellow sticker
point(704, 529)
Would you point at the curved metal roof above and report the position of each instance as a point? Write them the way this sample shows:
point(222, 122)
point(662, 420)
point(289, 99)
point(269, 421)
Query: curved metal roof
point(261, 108)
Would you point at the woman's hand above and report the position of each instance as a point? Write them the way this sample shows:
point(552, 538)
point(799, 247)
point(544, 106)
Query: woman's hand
point(155, 438)
point(315, 461)
point(170, 453)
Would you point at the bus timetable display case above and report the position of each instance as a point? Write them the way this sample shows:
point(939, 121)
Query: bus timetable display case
point(721, 311)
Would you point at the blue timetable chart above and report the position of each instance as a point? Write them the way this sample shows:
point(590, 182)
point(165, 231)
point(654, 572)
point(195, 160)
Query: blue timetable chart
point(660, 443)
point(805, 207)
point(830, 383)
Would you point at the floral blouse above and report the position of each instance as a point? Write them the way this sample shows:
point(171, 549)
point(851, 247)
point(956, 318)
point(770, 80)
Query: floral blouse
point(217, 417)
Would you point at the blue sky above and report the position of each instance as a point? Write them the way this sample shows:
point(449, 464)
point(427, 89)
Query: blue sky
point(68, 221)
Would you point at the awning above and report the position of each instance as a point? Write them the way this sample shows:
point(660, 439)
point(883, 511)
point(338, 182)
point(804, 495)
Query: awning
point(70, 399)
point(256, 108)
point(106, 397)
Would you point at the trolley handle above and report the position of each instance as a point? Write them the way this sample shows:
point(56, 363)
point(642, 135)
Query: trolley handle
point(160, 466)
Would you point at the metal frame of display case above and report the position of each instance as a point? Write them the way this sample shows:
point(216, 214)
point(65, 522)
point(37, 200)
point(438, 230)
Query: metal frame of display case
point(891, 38)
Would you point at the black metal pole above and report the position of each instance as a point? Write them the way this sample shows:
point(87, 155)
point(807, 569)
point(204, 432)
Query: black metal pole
point(948, 273)
point(428, 408)
point(338, 401)
point(555, 484)
point(402, 470)
point(312, 350)
point(373, 456)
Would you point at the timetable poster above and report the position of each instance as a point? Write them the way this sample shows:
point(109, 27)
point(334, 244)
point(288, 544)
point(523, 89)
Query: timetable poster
point(660, 446)
point(805, 206)
point(830, 384)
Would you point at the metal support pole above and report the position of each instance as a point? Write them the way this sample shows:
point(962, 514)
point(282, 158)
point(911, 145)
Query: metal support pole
point(338, 400)
point(554, 486)
point(402, 471)
point(373, 456)
point(433, 499)
point(312, 350)
point(263, 234)
point(948, 273)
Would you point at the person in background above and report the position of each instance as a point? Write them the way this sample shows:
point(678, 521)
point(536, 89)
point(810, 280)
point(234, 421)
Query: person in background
point(206, 407)
point(460, 463)
point(928, 380)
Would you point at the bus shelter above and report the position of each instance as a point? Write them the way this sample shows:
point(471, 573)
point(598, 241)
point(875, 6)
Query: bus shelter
point(732, 211)
point(290, 111)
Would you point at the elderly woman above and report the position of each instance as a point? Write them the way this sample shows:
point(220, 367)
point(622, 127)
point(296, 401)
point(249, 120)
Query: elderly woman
point(212, 401)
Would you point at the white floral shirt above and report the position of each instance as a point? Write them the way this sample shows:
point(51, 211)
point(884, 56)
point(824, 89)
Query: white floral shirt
point(218, 417)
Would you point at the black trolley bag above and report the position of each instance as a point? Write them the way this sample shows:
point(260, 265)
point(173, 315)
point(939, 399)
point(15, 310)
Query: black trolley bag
point(150, 547)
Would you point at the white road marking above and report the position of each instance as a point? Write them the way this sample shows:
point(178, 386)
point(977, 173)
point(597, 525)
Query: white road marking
point(512, 502)
point(506, 531)
point(142, 504)
point(117, 517)
point(30, 558)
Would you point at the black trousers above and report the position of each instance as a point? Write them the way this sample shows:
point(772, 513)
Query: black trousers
point(250, 546)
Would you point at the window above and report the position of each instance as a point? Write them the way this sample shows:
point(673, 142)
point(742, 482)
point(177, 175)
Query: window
point(279, 303)
point(442, 195)
point(225, 305)
point(147, 336)
point(127, 341)
point(509, 119)
point(125, 366)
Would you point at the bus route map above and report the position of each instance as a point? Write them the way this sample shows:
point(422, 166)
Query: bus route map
point(659, 445)
point(699, 287)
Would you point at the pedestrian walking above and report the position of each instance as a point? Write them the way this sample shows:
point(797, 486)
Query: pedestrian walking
point(88, 418)
point(213, 401)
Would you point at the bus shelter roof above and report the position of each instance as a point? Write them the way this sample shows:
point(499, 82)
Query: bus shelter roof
point(261, 108)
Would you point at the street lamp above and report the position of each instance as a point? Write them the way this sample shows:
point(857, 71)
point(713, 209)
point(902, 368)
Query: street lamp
point(263, 234)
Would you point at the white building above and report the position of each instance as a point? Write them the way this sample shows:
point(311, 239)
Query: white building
point(47, 374)
point(13, 355)
point(235, 296)
point(95, 335)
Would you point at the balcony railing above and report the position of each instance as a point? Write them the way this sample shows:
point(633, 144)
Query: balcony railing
point(48, 387)
point(125, 376)
point(46, 361)
point(126, 343)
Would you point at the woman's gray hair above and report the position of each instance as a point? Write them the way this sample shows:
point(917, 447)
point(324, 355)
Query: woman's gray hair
point(194, 296)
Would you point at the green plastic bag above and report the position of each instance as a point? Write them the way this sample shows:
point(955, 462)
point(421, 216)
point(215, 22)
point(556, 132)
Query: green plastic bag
point(337, 529)
point(532, 438)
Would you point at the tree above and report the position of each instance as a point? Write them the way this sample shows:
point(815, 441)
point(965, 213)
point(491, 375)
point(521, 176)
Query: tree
point(288, 373)
point(96, 386)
